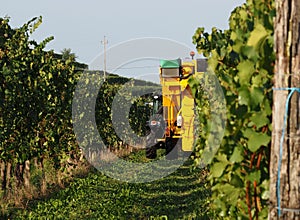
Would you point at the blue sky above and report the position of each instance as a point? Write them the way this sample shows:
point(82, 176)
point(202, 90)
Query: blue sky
point(81, 25)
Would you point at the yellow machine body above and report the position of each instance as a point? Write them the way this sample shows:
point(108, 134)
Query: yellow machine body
point(178, 102)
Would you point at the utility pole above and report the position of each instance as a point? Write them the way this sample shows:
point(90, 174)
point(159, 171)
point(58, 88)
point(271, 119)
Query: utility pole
point(104, 42)
point(285, 149)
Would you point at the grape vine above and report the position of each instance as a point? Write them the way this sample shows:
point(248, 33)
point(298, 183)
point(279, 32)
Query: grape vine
point(36, 96)
point(242, 58)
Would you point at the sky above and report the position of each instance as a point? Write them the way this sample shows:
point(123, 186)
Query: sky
point(81, 25)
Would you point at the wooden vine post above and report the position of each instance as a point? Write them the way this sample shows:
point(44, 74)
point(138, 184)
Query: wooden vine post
point(285, 150)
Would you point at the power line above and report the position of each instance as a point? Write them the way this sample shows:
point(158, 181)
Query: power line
point(104, 42)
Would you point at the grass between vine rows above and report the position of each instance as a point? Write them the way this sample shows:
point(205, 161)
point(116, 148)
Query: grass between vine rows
point(181, 195)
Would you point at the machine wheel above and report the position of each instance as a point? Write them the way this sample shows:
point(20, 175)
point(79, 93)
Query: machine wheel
point(151, 152)
point(170, 153)
point(151, 146)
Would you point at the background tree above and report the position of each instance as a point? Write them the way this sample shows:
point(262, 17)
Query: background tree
point(68, 55)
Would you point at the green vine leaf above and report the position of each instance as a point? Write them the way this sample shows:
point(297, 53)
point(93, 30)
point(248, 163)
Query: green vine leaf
point(257, 96)
point(237, 155)
point(257, 36)
point(256, 139)
point(254, 176)
point(244, 97)
point(259, 119)
point(218, 169)
point(245, 71)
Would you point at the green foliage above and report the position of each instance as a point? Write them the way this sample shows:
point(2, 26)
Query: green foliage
point(103, 114)
point(36, 89)
point(127, 104)
point(242, 58)
point(36, 94)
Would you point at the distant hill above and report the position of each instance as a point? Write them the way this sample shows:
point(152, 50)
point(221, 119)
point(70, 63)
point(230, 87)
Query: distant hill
point(117, 79)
